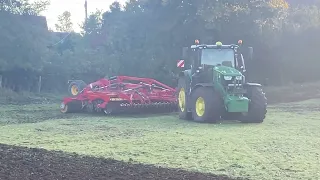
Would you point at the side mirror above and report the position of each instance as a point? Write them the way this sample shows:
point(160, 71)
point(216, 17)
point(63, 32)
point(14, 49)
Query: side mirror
point(250, 54)
point(185, 52)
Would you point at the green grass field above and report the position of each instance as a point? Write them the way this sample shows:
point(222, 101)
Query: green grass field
point(285, 146)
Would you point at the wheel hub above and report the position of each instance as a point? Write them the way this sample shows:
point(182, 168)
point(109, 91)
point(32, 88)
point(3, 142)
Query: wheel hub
point(182, 99)
point(200, 106)
point(62, 106)
point(74, 90)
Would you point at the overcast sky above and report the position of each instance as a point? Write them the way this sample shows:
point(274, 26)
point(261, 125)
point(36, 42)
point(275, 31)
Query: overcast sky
point(76, 7)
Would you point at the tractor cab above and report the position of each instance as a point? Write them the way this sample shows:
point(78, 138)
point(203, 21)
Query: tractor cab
point(203, 56)
point(216, 63)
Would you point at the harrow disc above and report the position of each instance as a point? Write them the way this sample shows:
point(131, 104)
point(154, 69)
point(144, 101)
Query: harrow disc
point(157, 107)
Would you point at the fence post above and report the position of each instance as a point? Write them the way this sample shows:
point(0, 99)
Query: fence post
point(39, 84)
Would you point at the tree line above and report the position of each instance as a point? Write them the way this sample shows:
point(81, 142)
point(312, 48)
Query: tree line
point(145, 38)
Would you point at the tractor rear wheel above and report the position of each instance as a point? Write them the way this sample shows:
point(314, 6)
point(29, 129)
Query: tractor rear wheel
point(257, 106)
point(183, 99)
point(206, 105)
point(75, 87)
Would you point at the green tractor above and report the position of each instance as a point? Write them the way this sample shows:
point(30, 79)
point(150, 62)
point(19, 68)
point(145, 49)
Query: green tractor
point(215, 87)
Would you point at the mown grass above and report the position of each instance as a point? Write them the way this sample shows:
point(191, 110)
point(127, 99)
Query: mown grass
point(285, 146)
point(8, 96)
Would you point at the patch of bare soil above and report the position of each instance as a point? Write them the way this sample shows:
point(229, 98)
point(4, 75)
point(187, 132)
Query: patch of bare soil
point(24, 163)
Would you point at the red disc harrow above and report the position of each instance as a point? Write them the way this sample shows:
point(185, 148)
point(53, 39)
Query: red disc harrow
point(120, 94)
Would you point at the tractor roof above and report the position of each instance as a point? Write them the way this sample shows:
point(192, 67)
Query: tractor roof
point(205, 46)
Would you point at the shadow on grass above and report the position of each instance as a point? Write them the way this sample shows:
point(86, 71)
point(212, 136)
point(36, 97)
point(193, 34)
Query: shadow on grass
point(25, 163)
point(174, 115)
point(128, 115)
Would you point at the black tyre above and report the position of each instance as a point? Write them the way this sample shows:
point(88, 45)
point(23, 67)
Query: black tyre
point(183, 99)
point(231, 116)
point(257, 106)
point(75, 87)
point(206, 105)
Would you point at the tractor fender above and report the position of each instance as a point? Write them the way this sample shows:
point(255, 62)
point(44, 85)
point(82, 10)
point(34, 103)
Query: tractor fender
point(201, 85)
point(76, 81)
point(187, 76)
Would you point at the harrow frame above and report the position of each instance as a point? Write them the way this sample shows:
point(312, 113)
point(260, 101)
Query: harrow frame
point(122, 94)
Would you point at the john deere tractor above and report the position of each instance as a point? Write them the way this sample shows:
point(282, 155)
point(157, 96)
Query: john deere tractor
point(215, 87)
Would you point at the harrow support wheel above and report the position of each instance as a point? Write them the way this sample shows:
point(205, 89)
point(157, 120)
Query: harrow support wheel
point(206, 105)
point(64, 108)
point(71, 107)
point(183, 99)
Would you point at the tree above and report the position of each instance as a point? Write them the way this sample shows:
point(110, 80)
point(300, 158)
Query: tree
point(64, 22)
point(24, 6)
point(145, 38)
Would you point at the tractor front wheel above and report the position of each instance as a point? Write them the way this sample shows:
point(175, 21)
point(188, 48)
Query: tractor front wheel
point(183, 99)
point(257, 107)
point(206, 105)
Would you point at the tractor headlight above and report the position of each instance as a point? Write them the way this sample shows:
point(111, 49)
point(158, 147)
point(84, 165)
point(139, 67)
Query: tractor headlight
point(239, 78)
point(227, 78)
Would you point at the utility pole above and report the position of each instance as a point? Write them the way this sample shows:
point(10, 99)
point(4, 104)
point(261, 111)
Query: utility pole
point(86, 11)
